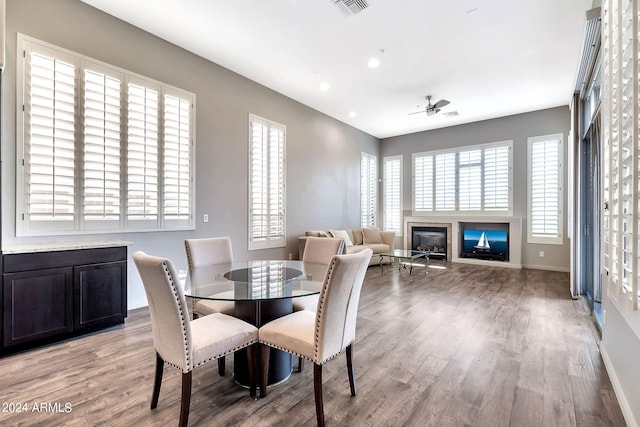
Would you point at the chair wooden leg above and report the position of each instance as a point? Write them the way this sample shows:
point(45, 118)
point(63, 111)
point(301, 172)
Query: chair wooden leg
point(157, 382)
point(264, 368)
point(251, 364)
point(352, 379)
point(300, 364)
point(186, 399)
point(317, 389)
point(221, 366)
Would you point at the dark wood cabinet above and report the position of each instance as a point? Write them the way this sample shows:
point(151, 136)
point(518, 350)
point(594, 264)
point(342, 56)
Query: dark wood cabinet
point(47, 296)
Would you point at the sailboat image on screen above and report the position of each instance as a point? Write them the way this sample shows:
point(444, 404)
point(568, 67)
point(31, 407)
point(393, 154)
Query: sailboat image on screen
point(483, 243)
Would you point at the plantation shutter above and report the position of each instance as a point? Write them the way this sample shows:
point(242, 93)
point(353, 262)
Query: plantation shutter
point(470, 180)
point(142, 154)
point(101, 159)
point(393, 194)
point(368, 190)
point(177, 159)
point(49, 146)
point(266, 184)
point(497, 178)
point(545, 193)
point(445, 181)
point(422, 183)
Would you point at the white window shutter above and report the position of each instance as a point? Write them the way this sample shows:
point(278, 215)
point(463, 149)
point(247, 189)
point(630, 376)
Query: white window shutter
point(545, 189)
point(266, 183)
point(392, 180)
point(177, 180)
point(470, 180)
point(423, 183)
point(101, 159)
point(445, 182)
point(142, 152)
point(50, 147)
point(368, 190)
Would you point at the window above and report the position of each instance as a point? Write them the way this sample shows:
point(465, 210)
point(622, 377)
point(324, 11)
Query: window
point(99, 148)
point(473, 179)
point(267, 141)
point(368, 190)
point(392, 193)
point(545, 189)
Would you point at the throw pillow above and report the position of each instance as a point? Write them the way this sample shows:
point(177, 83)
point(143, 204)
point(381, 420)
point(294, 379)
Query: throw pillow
point(342, 234)
point(371, 235)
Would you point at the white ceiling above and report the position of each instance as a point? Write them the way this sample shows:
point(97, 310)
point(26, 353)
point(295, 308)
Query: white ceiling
point(490, 58)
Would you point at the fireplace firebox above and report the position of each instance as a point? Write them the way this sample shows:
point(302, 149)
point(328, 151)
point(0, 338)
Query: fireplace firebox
point(430, 239)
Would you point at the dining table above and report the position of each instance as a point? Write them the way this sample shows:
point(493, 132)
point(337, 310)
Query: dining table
point(261, 291)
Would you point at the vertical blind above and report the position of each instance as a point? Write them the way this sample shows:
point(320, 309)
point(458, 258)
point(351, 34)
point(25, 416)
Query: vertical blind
point(392, 193)
point(266, 183)
point(545, 189)
point(101, 149)
point(368, 190)
point(469, 179)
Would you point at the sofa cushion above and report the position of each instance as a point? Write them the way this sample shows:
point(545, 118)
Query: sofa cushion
point(312, 233)
point(342, 234)
point(371, 235)
point(357, 236)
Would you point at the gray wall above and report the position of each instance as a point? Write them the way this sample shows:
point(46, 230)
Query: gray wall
point(517, 128)
point(620, 348)
point(323, 155)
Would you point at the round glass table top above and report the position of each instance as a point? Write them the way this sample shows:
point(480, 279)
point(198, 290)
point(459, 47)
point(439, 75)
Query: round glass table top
point(256, 280)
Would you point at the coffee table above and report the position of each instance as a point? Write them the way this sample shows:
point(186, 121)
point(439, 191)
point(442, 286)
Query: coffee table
point(408, 256)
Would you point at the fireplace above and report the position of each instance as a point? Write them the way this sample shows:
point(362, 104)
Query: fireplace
point(430, 239)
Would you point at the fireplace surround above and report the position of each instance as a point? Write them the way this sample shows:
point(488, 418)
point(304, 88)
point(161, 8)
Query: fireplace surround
point(454, 226)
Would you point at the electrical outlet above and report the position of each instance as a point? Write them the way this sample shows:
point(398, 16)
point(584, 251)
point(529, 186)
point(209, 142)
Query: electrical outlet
point(205, 218)
point(541, 254)
point(290, 256)
point(604, 317)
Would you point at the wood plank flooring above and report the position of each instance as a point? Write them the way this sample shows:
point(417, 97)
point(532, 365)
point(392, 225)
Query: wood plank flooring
point(462, 346)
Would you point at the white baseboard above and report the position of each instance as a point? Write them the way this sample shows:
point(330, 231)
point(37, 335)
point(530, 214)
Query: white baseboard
point(617, 388)
point(546, 267)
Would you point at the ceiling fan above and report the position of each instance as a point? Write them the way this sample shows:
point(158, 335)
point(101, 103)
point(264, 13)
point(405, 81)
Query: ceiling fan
point(433, 109)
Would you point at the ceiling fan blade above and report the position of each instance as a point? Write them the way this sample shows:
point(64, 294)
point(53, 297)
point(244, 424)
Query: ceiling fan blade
point(451, 113)
point(441, 103)
point(417, 112)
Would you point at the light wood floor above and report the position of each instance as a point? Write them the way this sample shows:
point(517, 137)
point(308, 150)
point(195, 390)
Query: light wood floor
point(463, 345)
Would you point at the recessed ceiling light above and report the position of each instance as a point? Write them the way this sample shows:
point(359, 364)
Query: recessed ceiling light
point(352, 114)
point(373, 63)
point(324, 86)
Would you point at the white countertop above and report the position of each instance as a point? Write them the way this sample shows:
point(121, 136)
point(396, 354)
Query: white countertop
point(63, 246)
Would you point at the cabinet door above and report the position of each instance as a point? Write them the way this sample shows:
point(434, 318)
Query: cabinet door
point(36, 304)
point(100, 293)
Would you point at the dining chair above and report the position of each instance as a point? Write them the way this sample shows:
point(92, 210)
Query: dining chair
point(206, 252)
point(322, 335)
point(318, 250)
point(184, 343)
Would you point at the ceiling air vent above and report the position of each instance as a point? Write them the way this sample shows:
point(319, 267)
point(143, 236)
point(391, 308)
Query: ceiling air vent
point(350, 7)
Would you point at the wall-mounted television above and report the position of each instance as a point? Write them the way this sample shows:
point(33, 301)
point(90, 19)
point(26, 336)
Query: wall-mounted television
point(487, 244)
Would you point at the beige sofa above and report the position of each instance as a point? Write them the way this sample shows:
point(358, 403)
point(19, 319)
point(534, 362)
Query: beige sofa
point(358, 239)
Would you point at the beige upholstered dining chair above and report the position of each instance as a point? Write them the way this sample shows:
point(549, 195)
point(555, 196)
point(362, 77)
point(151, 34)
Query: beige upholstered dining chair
point(205, 253)
point(322, 335)
point(183, 343)
point(318, 250)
